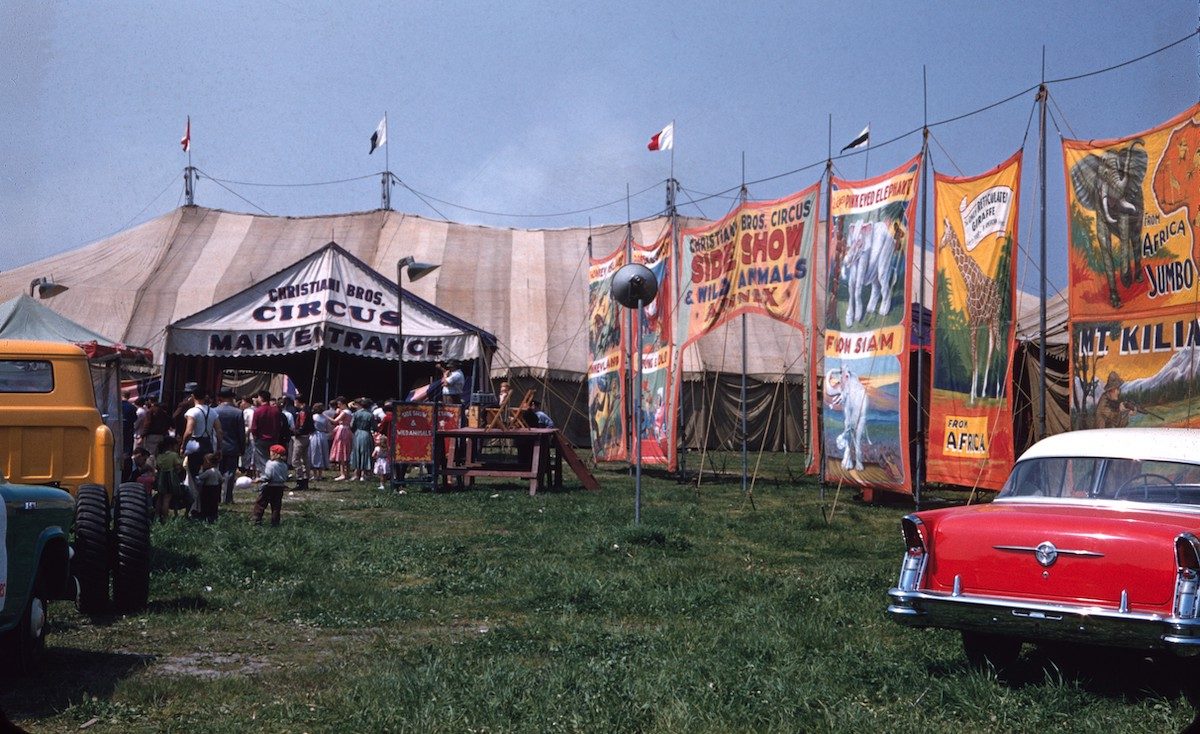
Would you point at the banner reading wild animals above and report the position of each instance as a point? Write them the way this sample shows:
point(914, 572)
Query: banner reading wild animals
point(606, 396)
point(974, 325)
point(1133, 207)
point(656, 420)
point(867, 318)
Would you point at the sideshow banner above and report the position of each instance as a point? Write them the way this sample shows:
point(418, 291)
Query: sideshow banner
point(867, 323)
point(1135, 372)
point(755, 260)
point(606, 396)
point(970, 405)
point(413, 426)
point(1132, 209)
point(656, 420)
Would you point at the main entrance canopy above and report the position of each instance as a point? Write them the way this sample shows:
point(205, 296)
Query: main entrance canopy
point(329, 300)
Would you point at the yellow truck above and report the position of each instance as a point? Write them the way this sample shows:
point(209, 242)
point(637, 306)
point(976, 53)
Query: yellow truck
point(52, 435)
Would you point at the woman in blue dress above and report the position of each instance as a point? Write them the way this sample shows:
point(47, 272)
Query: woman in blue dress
point(362, 426)
point(318, 445)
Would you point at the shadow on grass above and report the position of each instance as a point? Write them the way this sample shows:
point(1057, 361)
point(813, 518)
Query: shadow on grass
point(178, 604)
point(67, 675)
point(165, 560)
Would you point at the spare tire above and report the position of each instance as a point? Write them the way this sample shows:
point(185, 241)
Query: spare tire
point(90, 563)
point(131, 546)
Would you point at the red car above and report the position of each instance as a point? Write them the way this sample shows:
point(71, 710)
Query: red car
point(1095, 538)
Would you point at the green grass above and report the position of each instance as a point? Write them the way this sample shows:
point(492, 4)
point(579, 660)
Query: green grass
point(488, 610)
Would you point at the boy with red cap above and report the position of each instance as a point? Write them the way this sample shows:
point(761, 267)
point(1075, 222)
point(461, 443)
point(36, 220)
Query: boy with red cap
point(274, 478)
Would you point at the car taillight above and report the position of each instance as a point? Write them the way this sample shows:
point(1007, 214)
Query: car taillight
point(912, 568)
point(1187, 575)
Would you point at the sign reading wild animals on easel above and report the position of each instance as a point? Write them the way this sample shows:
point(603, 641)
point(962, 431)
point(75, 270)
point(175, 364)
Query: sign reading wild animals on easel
point(970, 406)
point(1133, 205)
point(867, 318)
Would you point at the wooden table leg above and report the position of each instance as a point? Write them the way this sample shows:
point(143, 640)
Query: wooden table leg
point(535, 465)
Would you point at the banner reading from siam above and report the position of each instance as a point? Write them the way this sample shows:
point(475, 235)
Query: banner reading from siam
point(656, 419)
point(974, 327)
point(606, 396)
point(755, 260)
point(867, 318)
point(1132, 209)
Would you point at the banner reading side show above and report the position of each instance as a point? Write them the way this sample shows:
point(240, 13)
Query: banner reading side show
point(970, 405)
point(867, 318)
point(606, 396)
point(657, 421)
point(1134, 207)
point(755, 260)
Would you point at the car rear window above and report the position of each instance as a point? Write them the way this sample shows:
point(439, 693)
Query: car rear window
point(26, 375)
point(1170, 482)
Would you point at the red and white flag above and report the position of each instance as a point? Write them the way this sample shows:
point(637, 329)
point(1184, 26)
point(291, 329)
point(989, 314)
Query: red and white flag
point(663, 139)
point(186, 140)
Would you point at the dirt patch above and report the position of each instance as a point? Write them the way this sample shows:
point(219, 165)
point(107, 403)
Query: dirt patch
point(210, 665)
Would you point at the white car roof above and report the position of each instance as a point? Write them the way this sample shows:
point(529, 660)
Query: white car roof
point(1157, 444)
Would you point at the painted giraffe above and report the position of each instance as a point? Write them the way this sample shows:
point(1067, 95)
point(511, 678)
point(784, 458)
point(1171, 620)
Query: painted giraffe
point(983, 307)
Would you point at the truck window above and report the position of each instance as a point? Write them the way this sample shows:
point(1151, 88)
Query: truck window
point(26, 375)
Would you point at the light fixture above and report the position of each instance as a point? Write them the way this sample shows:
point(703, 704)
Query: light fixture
point(45, 287)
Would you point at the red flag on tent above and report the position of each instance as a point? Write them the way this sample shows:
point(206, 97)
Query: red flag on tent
point(663, 139)
point(186, 140)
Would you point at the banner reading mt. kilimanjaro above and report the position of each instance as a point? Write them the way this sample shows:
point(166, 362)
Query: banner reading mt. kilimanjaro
point(867, 318)
point(970, 403)
point(1133, 208)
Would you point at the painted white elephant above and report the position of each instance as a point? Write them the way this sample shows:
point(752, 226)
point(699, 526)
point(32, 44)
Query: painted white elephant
point(847, 392)
point(870, 262)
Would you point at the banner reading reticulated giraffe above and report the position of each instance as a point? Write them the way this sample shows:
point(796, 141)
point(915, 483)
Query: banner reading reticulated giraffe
point(755, 260)
point(867, 324)
point(606, 395)
point(1133, 208)
point(657, 416)
point(974, 327)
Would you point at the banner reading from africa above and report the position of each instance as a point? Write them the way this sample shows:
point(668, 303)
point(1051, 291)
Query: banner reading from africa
point(1133, 206)
point(755, 260)
point(867, 317)
point(656, 420)
point(970, 408)
point(606, 395)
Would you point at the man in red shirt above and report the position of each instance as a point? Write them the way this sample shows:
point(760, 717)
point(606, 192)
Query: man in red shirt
point(266, 428)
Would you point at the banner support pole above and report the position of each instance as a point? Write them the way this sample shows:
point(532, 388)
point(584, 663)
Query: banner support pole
point(1043, 94)
point(743, 195)
point(919, 463)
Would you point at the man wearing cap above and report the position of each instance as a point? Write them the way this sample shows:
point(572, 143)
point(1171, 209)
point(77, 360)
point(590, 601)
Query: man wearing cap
point(453, 382)
point(179, 417)
point(1111, 411)
point(233, 438)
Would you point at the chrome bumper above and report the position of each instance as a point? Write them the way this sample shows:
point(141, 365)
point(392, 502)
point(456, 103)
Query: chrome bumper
point(1045, 622)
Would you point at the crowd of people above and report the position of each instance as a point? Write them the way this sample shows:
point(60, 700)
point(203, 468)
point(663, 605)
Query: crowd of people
point(192, 458)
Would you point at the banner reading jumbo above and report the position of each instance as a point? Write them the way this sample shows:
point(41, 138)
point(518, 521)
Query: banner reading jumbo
point(606, 396)
point(755, 260)
point(974, 327)
point(1132, 208)
point(656, 420)
point(867, 317)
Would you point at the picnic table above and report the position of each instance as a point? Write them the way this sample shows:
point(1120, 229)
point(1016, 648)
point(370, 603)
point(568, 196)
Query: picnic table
point(538, 458)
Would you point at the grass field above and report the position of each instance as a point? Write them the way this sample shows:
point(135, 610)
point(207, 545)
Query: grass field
point(492, 611)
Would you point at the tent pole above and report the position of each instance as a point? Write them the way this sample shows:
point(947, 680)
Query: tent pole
point(743, 195)
point(634, 416)
point(312, 384)
point(919, 464)
point(1042, 96)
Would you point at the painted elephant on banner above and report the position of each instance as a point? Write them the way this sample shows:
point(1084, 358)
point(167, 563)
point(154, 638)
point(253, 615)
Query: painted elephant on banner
point(847, 392)
point(870, 262)
point(1111, 186)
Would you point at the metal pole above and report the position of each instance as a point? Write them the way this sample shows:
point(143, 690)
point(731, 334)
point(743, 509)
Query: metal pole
point(1042, 94)
point(919, 468)
point(637, 481)
point(400, 329)
point(745, 446)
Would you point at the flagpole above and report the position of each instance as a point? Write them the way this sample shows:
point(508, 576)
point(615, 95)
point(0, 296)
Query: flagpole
point(387, 166)
point(672, 149)
point(867, 157)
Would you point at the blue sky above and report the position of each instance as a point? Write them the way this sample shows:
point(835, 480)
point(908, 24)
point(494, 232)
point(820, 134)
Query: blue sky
point(535, 108)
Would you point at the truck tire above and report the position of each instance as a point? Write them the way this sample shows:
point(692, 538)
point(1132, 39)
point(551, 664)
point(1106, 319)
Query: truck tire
point(91, 561)
point(24, 645)
point(131, 535)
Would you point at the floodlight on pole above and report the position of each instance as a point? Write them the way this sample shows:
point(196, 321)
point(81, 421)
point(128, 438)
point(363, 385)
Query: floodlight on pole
point(415, 271)
point(45, 287)
point(634, 286)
